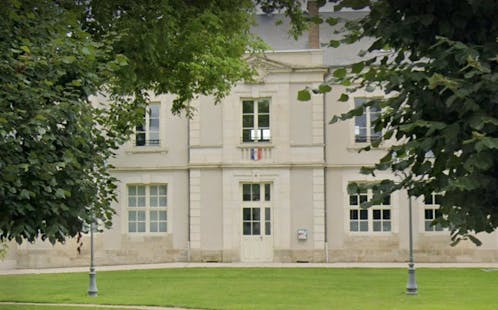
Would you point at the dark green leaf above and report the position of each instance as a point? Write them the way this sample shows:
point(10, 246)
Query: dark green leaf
point(324, 88)
point(357, 67)
point(334, 43)
point(344, 98)
point(304, 95)
point(332, 21)
point(340, 73)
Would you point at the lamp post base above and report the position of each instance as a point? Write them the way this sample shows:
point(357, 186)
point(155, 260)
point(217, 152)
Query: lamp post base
point(411, 286)
point(92, 289)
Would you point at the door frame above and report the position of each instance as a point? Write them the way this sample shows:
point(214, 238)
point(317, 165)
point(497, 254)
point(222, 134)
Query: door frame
point(262, 242)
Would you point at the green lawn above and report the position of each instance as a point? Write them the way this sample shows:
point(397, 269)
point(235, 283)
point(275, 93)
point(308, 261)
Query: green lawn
point(264, 288)
point(43, 307)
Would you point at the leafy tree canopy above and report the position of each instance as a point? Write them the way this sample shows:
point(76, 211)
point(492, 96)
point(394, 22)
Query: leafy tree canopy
point(54, 144)
point(439, 70)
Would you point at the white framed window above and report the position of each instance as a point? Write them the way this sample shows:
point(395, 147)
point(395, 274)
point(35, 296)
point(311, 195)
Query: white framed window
point(147, 208)
point(256, 211)
point(256, 120)
point(431, 212)
point(364, 131)
point(147, 133)
point(377, 218)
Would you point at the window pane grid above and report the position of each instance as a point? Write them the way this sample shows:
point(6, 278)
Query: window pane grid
point(158, 196)
point(148, 133)
point(256, 215)
point(373, 219)
point(256, 120)
point(136, 196)
point(364, 130)
point(431, 212)
point(256, 192)
point(251, 221)
point(381, 219)
point(147, 208)
point(158, 221)
point(136, 221)
point(358, 219)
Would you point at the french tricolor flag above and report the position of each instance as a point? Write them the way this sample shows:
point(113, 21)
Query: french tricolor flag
point(256, 153)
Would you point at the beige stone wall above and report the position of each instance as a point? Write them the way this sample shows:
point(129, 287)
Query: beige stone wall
point(9, 260)
point(301, 200)
point(116, 245)
point(172, 151)
point(299, 256)
point(308, 163)
point(345, 246)
point(211, 212)
point(342, 151)
point(131, 250)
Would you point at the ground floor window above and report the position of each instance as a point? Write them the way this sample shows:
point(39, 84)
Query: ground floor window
point(377, 218)
point(147, 208)
point(431, 212)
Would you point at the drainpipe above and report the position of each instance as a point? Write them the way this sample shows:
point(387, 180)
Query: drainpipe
point(188, 191)
point(325, 123)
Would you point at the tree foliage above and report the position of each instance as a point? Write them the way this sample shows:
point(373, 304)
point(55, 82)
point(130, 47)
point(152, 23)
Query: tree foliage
point(184, 47)
point(54, 143)
point(437, 62)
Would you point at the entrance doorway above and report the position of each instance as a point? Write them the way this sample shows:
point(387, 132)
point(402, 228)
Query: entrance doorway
point(257, 234)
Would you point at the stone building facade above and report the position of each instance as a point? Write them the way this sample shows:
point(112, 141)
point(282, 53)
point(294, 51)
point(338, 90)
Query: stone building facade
point(261, 177)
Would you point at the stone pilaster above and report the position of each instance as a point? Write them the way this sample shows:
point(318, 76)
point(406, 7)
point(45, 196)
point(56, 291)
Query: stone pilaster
point(318, 209)
point(195, 209)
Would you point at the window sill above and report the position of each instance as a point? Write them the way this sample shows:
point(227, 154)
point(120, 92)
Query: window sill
point(435, 233)
point(356, 146)
point(147, 149)
point(147, 234)
point(248, 145)
point(214, 146)
point(370, 233)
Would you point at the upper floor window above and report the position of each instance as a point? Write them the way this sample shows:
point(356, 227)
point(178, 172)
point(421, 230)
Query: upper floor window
point(147, 208)
point(431, 212)
point(374, 219)
point(256, 120)
point(147, 133)
point(364, 130)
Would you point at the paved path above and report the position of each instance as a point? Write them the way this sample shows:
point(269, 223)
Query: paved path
point(490, 266)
